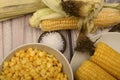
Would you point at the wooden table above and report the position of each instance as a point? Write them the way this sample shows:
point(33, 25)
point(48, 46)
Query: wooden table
point(16, 32)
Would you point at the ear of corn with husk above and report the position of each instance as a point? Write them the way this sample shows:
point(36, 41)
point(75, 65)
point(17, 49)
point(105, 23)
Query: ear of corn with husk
point(90, 71)
point(107, 17)
point(13, 8)
point(108, 59)
point(88, 9)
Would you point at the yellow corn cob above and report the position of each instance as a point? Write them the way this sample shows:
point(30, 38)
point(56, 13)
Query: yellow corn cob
point(59, 24)
point(105, 18)
point(108, 59)
point(90, 71)
point(108, 17)
point(13, 8)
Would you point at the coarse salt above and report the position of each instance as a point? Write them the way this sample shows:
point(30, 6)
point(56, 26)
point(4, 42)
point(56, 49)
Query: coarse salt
point(54, 40)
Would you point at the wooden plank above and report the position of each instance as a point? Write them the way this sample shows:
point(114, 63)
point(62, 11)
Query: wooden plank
point(74, 34)
point(28, 35)
point(1, 42)
point(34, 30)
point(7, 37)
point(36, 34)
point(17, 31)
point(67, 51)
point(39, 32)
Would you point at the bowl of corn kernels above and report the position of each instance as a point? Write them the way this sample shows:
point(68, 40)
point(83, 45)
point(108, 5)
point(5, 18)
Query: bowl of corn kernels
point(35, 62)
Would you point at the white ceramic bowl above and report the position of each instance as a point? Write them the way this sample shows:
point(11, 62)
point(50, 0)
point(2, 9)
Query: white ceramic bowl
point(66, 66)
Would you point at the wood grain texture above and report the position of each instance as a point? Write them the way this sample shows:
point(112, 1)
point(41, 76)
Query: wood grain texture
point(67, 51)
point(7, 37)
point(28, 36)
point(17, 32)
point(74, 34)
point(1, 42)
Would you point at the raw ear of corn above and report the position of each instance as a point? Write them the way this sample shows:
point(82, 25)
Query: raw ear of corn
point(59, 24)
point(90, 71)
point(13, 8)
point(107, 17)
point(108, 59)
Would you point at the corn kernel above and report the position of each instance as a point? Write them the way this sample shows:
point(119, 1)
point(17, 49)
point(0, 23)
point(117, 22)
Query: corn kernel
point(6, 64)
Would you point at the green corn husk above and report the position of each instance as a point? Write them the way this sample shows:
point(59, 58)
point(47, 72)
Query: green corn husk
point(14, 8)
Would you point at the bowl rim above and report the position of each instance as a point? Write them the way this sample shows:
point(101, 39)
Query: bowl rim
point(28, 44)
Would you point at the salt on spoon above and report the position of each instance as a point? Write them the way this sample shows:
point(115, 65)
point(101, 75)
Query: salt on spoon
point(54, 40)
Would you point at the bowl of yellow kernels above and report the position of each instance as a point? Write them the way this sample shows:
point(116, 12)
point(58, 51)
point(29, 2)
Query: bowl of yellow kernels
point(35, 62)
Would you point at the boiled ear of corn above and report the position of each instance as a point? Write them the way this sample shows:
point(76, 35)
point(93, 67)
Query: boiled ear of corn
point(13, 8)
point(108, 59)
point(90, 71)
